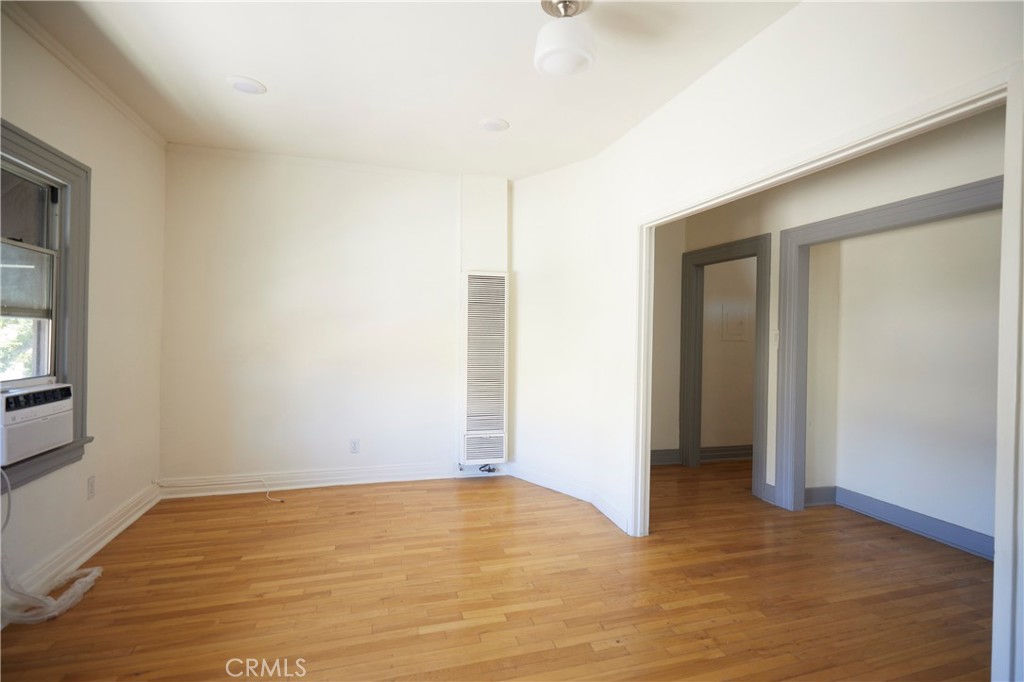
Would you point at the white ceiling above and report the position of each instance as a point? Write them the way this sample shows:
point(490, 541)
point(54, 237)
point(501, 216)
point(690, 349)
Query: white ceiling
point(396, 83)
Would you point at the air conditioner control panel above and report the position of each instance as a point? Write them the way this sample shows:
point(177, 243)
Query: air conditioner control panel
point(27, 404)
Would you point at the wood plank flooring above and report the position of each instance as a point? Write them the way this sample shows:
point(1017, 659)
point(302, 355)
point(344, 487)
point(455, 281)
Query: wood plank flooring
point(497, 579)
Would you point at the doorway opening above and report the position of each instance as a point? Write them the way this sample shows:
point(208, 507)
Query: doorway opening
point(727, 361)
point(700, 397)
point(732, 316)
point(795, 250)
point(944, 157)
point(971, 161)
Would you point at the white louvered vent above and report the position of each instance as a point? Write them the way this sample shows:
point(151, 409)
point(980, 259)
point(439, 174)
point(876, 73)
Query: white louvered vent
point(486, 348)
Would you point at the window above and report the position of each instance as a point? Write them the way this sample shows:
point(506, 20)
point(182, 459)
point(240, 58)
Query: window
point(29, 263)
point(44, 254)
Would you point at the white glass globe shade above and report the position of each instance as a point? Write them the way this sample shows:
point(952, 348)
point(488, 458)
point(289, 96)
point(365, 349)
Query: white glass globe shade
point(564, 47)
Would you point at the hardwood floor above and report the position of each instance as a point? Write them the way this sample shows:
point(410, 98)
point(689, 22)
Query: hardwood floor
point(495, 579)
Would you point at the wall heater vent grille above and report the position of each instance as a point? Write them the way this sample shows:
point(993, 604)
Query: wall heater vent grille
point(486, 367)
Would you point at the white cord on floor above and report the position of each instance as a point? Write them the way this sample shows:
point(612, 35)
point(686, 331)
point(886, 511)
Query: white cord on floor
point(10, 507)
point(209, 485)
point(39, 607)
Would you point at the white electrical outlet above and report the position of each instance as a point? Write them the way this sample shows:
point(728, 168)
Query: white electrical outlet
point(90, 488)
point(353, 446)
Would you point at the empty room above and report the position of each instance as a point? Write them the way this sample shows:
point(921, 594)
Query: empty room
point(376, 340)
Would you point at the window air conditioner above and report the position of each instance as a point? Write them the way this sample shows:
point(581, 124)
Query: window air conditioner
point(35, 420)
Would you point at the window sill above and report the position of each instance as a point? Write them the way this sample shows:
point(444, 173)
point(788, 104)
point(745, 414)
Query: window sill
point(32, 468)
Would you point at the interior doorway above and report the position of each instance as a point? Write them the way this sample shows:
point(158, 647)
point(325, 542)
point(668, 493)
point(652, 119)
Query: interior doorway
point(957, 159)
point(795, 244)
point(727, 367)
point(692, 347)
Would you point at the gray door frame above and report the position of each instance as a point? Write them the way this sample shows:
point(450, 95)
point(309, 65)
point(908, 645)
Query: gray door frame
point(692, 350)
point(794, 256)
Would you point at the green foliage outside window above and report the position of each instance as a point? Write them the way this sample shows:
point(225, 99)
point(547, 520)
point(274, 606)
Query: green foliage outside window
point(17, 347)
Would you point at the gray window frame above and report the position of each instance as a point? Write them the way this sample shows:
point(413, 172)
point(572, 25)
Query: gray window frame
point(73, 180)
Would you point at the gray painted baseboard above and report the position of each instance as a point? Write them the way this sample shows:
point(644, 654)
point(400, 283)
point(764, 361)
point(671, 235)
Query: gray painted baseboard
point(710, 454)
point(661, 457)
point(726, 452)
point(947, 533)
point(921, 524)
point(816, 497)
point(942, 531)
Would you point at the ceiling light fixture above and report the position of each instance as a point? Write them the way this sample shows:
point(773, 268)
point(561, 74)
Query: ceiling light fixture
point(564, 46)
point(246, 85)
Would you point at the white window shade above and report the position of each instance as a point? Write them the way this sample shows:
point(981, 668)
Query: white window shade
point(26, 281)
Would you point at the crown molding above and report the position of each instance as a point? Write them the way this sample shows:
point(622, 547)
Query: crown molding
point(14, 12)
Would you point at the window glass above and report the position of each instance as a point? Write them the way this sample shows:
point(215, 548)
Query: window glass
point(27, 269)
point(26, 281)
point(23, 210)
point(24, 348)
point(26, 329)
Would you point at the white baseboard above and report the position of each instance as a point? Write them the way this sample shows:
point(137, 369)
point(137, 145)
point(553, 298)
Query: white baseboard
point(46, 575)
point(201, 486)
point(546, 479)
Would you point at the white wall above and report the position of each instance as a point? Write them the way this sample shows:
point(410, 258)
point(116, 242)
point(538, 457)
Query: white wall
point(571, 378)
point(917, 368)
point(669, 246)
point(824, 268)
point(823, 75)
point(484, 223)
point(727, 374)
point(309, 303)
point(44, 98)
